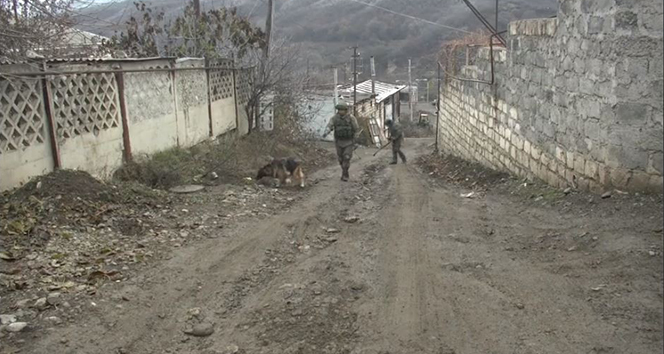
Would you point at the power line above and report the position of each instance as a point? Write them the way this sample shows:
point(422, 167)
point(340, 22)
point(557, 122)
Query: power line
point(253, 8)
point(410, 17)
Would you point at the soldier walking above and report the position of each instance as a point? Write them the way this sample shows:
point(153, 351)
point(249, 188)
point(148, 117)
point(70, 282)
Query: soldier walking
point(396, 136)
point(345, 132)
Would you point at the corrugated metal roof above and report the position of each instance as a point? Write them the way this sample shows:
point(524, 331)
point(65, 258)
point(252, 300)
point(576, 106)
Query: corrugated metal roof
point(383, 89)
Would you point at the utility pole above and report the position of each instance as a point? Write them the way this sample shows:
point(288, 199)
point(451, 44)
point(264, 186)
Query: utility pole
point(438, 107)
point(410, 92)
point(268, 28)
point(355, 55)
point(336, 82)
point(197, 8)
point(345, 73)
point(197, 12)
point(264, 65)
point(496, 17)
point(373, 76)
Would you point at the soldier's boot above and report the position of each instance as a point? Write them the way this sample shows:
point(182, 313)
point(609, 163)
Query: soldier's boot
point(394, 158)
point(403, 157)
point(344, 171)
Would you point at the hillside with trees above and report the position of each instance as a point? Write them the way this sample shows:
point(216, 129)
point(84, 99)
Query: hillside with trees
point(325, 28)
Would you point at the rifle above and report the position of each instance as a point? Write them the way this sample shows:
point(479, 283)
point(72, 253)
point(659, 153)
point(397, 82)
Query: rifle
point(383, 147)
point(358, 145)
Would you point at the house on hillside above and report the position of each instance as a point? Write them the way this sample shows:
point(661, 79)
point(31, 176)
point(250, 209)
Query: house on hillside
point(71, 43)
point(74, 43)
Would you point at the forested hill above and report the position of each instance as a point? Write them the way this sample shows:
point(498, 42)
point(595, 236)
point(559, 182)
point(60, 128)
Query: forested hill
point(327, 27)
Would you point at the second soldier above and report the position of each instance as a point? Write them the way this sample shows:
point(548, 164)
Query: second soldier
point(396, 136)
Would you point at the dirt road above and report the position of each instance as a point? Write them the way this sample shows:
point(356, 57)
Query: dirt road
point(395, 262)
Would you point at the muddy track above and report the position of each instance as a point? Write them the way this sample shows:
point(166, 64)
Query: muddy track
point(392, 264)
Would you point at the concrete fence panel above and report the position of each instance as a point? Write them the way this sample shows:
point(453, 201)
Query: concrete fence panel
point(222, 97)
point(151, 112)
point(193, 119)
point(25, 149)
point(88, 125)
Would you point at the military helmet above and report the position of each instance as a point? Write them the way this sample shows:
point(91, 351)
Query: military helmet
point(341, 106)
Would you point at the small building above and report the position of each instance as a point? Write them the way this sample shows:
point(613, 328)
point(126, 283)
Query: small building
point(383, 104)
point(380, 102)
point(74, 43)
point(404, 95)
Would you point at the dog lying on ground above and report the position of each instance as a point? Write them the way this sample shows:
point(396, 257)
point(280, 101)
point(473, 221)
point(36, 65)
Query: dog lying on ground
point(282, 170)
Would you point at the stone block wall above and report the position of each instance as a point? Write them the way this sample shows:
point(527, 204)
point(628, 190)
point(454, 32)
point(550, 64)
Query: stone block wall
point(577, 99)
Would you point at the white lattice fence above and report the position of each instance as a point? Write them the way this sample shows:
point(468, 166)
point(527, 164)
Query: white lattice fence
point(22, 117)
point(243, 84)
point(85, 103)
point(221, 80)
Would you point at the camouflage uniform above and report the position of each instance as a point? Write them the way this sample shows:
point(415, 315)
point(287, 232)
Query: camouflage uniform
point(345, 130)
point(396, 135)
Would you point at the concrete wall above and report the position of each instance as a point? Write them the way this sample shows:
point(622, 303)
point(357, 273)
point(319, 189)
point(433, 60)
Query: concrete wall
point(577, 99)
point(191, 103)
point(150, 98)
point(164, 109)
point(223, 116)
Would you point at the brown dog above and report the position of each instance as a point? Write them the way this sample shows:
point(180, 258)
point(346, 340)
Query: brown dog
point(282, 170)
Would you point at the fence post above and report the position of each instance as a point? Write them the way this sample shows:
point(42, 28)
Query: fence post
point(50, 111)
point(439, 92)
point(209, 96)
point(237, 115)
point(126, 141)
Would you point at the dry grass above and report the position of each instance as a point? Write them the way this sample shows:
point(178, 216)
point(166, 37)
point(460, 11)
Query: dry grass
point(231, 159)
point(416, 129)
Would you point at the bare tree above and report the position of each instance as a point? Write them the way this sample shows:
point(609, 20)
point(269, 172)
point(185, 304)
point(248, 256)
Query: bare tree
point(222, 33)
point(279, 76)
point(33, 25)
point(217, 33)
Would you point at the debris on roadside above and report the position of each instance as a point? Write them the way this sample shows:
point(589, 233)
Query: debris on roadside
point(16, 327)
point(352, 219)
point(187, 188)
point(200, 330)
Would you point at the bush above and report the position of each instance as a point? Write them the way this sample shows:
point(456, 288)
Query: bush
point(164, 169)
point(421, 129)
point(231, 158)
